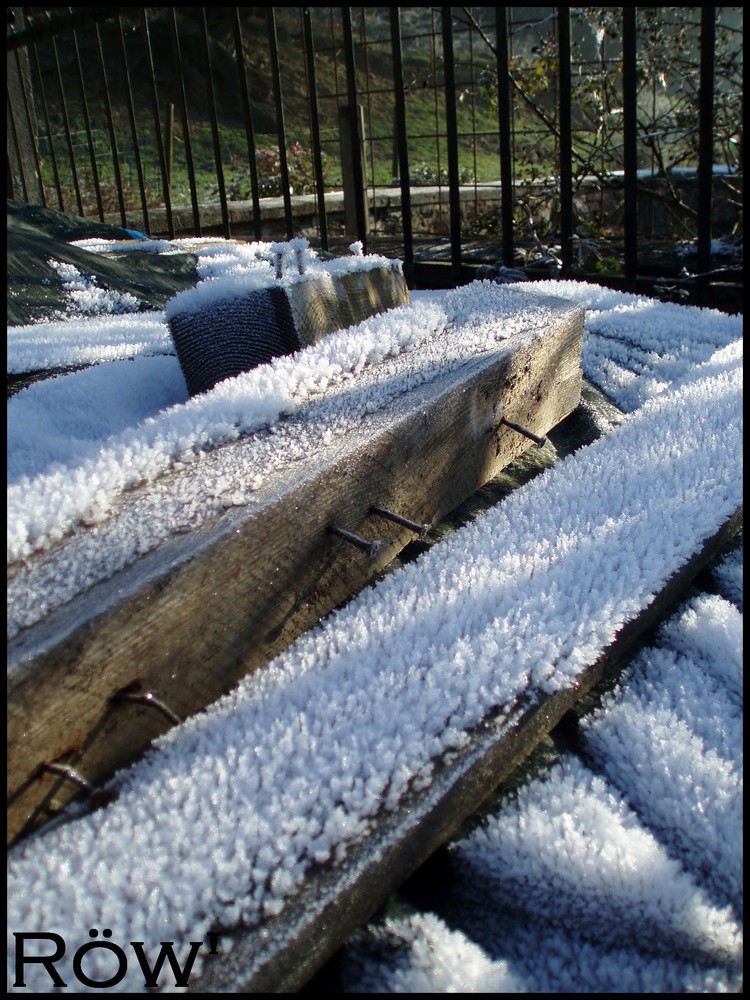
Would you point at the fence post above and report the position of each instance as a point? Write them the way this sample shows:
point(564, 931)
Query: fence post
point(215, 135)
point(630, 143)
point(146, 225)
point(107, 105)
point(312, 93)
point(351, 131)
point(401, 141)
point(504, 117)
point(87, 125)
point(353, 148)
point(41, 108)
point(273, 45)
point(451, 129)
point(186, 141)
point(157, 124)
point(64, 114)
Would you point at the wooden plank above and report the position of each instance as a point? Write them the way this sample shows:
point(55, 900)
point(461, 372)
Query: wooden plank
point(288, 950)
point(187, 621)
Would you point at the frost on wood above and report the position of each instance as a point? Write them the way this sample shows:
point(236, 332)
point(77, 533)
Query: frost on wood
point(232, 811)
point(291, 769)
point(571, 851)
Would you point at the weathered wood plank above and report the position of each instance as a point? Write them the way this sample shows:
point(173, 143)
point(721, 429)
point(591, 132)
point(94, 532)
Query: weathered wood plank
point(186, 622)
point(337, 901)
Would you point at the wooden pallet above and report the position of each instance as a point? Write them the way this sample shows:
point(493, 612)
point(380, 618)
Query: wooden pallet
point(185, 623)
point(335, 901)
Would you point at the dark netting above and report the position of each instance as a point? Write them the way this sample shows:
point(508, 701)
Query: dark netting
point(233, 336)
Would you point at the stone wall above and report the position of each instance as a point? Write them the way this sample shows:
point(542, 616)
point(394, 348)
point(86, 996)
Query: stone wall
point(666, 210)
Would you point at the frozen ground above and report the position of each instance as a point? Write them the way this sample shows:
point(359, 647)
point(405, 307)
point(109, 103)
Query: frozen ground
point(234, 809)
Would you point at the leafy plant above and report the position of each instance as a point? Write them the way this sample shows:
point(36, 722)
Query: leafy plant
point(300, 167)
point(426, 175)
point(668, 97)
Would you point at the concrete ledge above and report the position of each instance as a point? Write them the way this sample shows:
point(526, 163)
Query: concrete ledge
point(431, 206)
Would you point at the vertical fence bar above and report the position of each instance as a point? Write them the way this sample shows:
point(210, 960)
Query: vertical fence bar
point(65, 119)
point(186, 140)
point(87, 126)
point(354, 180)
point(157, 121)
point(27, 150)
point(9, 181)
point(214, 126)
point(630, 142)
point(360, 204)
point(133, 126)
point(368, 154)
point(312, 90)
point(566, 139)
point(706, 137)
point(169, 141)
point(473, 106)
point(17, 145)
point(280, 130)
point(401, 141)
point(504, 129)
point(433, 34)
point(113, 144)
point(451, 126)
point(247, 115)
point(45, 116)
point(11, 97)
point(19, 160)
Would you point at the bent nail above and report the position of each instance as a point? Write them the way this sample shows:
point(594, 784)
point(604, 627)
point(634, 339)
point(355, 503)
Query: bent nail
point(389, 515)
point(371, 548)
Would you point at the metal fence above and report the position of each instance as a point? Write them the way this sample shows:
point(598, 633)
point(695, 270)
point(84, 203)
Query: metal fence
point(550, 126)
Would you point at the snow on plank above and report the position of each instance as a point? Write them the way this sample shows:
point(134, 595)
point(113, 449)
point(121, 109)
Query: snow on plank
point(204, 607)
point(329, 907)
point(266, 810)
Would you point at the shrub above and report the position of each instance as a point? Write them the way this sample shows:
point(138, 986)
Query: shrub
point(300, 165)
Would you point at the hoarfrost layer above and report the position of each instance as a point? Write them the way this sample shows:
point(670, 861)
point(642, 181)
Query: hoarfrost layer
point(349, 376)
point(67, 343)
point(535, 891)
point(635, 347)
point(480, 947)
point(570, 849)
point(421, 955)
point(226, 818)
point(729, 576)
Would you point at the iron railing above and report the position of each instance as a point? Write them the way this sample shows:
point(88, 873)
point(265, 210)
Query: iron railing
point(452, 124)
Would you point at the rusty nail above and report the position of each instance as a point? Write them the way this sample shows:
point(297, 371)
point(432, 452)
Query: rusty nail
point(539, 441)
point(371, 548)
point(149, 699)
point(69, 774)
point(421, 529)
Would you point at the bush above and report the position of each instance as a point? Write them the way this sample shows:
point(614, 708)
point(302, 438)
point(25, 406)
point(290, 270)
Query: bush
point(425, 175)
point(300, 165)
